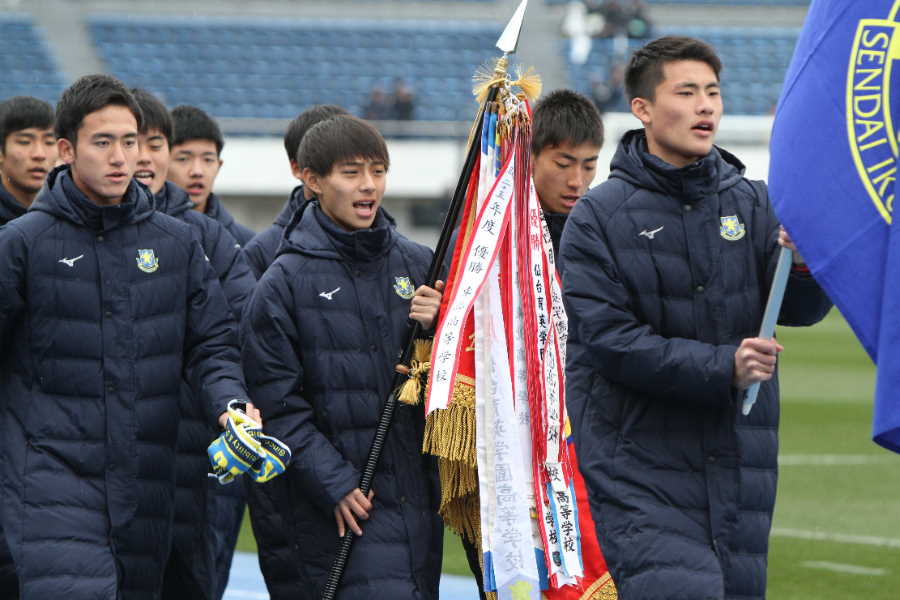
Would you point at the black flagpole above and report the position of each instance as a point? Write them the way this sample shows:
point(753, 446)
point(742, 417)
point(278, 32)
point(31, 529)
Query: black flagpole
point(387, 414)
point(507, 43)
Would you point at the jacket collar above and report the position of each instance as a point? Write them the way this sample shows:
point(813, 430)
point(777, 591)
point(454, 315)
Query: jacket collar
point(715, 172)
point(215, 210)
point(172, 200)
point(313, 232)
point(295, 201)
point(62, 198)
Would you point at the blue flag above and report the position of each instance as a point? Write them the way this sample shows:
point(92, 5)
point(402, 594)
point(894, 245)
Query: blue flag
point(833, 176)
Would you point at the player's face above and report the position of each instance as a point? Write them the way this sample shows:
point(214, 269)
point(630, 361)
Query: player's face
point(153, 160)
point(681, 122)
point(105, 155)
point(195, 165)
point(563, 173)
point(26, 158)
point(351, 193)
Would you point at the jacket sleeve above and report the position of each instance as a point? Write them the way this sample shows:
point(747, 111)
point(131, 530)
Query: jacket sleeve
point(231, 266)
point(212, 356)
point(624, 349)
point(270, 349)
point(805, 303)
point(12, 280)
point(255, 255)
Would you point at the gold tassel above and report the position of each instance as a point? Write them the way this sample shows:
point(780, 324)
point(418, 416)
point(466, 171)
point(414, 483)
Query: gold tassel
point(419, 366)
point(486, 78)
point(529, 82)
point(450, 435)
point(450, 432)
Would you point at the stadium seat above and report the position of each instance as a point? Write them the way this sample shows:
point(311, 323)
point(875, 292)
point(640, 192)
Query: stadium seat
point(755, 62)
point(26, 65)
point(245, 64)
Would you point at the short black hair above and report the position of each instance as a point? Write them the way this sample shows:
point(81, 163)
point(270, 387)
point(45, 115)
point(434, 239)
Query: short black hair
point(23, 112)
point(88, 95)
point(301, 124)
point(338, 139)
point(192, 123)
point(565, 116)
point(156, 115)
point(645, 69)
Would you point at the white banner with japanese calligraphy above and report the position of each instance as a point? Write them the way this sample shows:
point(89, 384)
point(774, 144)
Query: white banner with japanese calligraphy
point(479, 256)
point(504, 473)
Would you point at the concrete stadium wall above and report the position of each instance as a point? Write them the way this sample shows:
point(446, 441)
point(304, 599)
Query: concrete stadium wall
point(255, 178)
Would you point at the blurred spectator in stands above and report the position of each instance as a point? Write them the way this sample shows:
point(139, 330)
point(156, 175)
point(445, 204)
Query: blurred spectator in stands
point(621, 17)
point(608, 93)
point(378, 108)
point(404, 106)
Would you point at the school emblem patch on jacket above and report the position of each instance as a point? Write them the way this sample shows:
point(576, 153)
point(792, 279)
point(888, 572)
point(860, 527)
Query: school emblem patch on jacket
point(732, 229)
point(404, 287)
point(147, 261)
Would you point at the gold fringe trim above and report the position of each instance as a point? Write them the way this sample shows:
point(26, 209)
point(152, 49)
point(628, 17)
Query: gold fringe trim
point(450, 432)
point(450, 436)
point(419, 366)
point(601, 589)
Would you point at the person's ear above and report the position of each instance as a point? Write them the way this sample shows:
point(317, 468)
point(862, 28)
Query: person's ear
point(66, 150)
point(312, 180)
point(642, 109)
point(296, 171)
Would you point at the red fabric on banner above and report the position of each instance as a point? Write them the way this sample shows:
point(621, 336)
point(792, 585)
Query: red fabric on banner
point(597, 583)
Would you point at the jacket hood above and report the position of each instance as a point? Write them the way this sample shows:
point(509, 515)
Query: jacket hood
point(295, 201)
point(313, 233)
point(714, 173)
point(215, 210)
point(172, 200)
point(62, 198)
point(9, 206)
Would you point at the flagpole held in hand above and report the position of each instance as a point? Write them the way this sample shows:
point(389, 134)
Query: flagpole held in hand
point(770, 317)
point(507, 43)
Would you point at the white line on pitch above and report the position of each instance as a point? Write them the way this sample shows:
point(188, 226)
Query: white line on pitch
point(842, 568)
point(835, 460)
point(824, 536)
point(233, 594)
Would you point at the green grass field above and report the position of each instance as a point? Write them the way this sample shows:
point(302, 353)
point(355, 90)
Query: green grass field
point(836, 534)
point(834, 482)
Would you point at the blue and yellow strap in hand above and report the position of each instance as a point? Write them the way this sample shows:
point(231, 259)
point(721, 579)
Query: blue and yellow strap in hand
point(276, 457)
point(243, 447)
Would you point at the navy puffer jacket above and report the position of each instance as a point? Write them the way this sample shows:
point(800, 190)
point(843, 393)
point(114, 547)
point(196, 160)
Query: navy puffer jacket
point(275, 547)
point(660, 291)
point(261, 250)
point(9, 206)
point(194, 573)
point(216, 211)
point(96, 338)
point(9, 583)
point(320, 339)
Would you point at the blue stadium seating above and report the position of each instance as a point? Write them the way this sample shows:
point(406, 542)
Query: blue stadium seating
point(275, 69)
point(755, 61)
point(26, 66)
